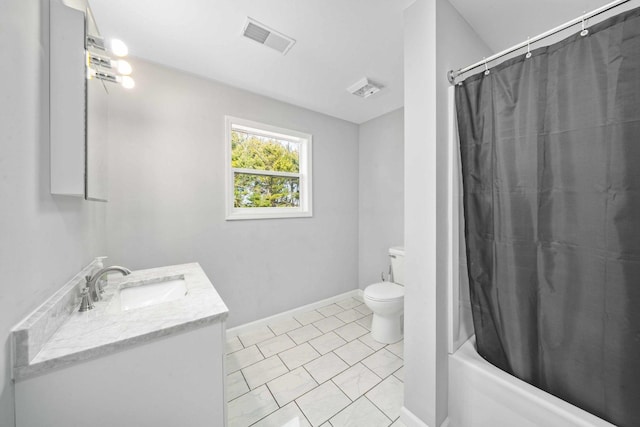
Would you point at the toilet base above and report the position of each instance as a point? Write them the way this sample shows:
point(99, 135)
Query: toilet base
point(386, 329)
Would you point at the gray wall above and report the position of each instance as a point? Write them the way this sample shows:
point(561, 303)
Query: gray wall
point(46, 239)
point(381, 193)
point(167, 195)
point(437, 39)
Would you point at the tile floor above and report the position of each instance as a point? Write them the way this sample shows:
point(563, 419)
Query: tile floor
point(317, 368)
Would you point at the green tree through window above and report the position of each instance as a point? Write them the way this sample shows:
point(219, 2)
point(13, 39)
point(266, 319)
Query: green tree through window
point(256, 153)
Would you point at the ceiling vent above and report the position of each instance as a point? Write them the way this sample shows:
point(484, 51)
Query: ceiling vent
point(364, 88)
point(266, 36)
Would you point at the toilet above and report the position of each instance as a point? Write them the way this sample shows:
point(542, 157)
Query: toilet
point(386, 300)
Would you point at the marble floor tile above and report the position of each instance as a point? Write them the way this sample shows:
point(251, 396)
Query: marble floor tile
point(330, 310)
point(398, 423)
point(362, 308)
point(288, 416)
point(318, 368)
point(276, 345)
point(304, 334)
point(233, 344)
point(290, 386)
point(322, 403)
point(388, 396)
point(353, 352)
point(242, 358)
point(264, 371)
point(356, 381)
point(397, 348)
point(325, 367)
point(399, 374)
point(280, 327)
point(308, 317)
point(351, 331)
point(255, 336)
point(365, 321)
point(327, 342)
point(361, 413)
point(368, 340)
point(383, 363)
point(349, 315)
point(250, 407)
point(328, 324)
point(235, 386)
point(298, 356)
point(349, 303)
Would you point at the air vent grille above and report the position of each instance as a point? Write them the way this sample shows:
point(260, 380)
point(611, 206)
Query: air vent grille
point(254, 32)
point(266, 36)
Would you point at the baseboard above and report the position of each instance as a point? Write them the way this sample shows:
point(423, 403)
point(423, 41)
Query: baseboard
point(237, 330)
point(410, 420)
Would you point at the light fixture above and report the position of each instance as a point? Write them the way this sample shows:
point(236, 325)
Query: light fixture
point(119, 48)
point(103, 67)
point(95, 42)
point(364, 88)
point(124, 67)
point(127, 82)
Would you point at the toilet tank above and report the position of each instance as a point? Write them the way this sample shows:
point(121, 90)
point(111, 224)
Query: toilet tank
point(396, 254)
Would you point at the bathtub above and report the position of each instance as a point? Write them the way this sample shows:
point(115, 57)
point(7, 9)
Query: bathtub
point(481, 395)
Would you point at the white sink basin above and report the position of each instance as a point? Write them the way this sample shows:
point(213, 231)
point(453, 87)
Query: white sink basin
point(148, 294)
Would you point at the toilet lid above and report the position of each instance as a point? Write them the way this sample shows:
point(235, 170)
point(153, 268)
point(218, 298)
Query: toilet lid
point(384, 291)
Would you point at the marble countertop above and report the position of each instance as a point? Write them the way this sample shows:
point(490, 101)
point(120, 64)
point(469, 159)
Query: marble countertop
point(106, 329)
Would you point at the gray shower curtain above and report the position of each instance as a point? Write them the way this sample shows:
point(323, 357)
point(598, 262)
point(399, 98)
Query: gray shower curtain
point(550, 150)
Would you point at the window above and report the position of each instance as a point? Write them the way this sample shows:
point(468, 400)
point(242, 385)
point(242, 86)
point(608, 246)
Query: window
point(268, 171)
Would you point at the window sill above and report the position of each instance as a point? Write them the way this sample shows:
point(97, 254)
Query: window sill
point(271, 213)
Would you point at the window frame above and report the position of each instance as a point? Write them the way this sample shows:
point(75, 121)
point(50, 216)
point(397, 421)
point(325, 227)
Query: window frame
point(304, 175)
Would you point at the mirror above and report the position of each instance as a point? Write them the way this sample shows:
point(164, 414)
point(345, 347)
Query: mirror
point(97, 119)
point(81, 70)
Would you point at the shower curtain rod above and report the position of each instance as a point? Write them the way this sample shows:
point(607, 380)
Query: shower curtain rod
point(453, 74)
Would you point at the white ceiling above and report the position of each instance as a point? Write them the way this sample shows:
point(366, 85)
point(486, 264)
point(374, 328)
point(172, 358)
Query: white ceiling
point(337, 42)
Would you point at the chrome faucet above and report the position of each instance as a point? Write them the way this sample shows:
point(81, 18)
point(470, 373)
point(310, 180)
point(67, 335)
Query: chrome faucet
point(95, 289)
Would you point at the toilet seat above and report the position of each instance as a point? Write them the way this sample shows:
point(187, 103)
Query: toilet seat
point(384, 291)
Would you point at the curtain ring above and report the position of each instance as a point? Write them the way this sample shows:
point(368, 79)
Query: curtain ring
point(584, 31)
point(486, 68)
point(528, 55)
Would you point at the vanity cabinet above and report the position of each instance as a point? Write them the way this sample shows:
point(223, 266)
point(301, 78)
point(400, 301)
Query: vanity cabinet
point(172, 381)
point(77, 109)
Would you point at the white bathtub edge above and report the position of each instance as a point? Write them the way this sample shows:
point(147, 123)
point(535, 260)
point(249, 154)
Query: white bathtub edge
point(562, 412)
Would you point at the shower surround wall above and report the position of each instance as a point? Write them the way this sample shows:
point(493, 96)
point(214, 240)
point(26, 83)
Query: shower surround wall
point(46, 239)
point(437, 39)
point(166, 203)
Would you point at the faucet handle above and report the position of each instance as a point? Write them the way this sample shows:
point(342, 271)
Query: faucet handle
point(86, 303)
